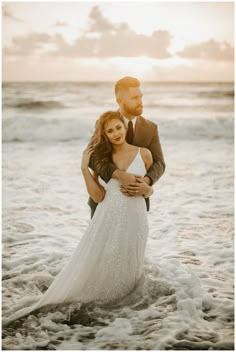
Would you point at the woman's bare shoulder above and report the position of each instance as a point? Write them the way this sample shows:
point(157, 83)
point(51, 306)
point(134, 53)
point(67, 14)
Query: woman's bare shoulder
point(146, 153)
point(147, 157)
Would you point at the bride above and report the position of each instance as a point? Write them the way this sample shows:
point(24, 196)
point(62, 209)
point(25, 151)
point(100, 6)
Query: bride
point(107, 263)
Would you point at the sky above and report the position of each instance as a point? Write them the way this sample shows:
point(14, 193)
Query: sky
point(90, 41)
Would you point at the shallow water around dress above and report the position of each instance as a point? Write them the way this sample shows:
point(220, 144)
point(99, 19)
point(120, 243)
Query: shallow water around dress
point(184, 300)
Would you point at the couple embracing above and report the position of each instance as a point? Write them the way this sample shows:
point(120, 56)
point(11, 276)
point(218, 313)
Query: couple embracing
point(122, 162)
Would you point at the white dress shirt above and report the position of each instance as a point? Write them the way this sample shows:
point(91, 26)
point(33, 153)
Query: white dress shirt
point(127, 121)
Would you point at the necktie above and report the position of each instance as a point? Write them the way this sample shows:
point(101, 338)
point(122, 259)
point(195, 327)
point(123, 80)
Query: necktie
point(130, 133)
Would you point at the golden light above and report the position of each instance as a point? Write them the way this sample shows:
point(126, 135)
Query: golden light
point(136, 66)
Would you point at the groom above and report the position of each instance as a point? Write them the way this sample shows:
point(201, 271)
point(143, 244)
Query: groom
point(142, 133)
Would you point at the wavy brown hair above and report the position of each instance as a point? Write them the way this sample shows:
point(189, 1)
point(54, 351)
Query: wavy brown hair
point(102, 154)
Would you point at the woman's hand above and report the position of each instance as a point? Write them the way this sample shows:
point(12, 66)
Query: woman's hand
point(95, 190)
point(86, 157)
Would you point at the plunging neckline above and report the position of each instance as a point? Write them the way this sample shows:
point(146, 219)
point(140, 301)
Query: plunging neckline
point(131, 161)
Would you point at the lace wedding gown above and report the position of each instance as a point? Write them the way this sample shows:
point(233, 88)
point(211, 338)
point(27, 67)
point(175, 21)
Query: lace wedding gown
point(107, 263)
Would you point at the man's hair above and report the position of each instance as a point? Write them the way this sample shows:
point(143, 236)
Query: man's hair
point(125, 83)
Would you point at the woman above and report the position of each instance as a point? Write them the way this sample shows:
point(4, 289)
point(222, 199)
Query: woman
point(107, 263)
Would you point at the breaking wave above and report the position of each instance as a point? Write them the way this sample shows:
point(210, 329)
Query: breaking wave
point(25, 129)
point(38, 105)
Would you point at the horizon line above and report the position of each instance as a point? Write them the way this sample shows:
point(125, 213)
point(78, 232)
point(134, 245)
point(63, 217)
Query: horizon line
point(112, 81)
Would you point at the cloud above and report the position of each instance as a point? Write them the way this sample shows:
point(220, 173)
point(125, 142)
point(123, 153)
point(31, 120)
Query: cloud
point(209, 50)
point(59, 23)
point(7, 13)
point(118, 39)
point(28, 44)
point(109, 44)
point(101, 39)
point(97, 22)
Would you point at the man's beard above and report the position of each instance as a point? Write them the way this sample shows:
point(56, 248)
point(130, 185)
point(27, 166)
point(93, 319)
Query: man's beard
point(135, 111)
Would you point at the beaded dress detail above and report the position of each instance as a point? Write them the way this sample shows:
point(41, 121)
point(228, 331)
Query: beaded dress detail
point(108, 261)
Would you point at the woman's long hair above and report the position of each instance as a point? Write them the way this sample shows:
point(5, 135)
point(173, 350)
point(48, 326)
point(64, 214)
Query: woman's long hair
point(102, 154)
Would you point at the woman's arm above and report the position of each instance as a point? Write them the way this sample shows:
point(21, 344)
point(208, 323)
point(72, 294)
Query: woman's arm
point(95, 190)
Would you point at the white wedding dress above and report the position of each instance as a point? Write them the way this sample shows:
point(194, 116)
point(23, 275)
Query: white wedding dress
point(107, 263)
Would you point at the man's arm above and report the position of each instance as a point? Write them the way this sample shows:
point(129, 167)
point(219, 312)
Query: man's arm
point(158, 167)
point(112, 171)
point(155, 171)
point(106, 175)
point(153, 174)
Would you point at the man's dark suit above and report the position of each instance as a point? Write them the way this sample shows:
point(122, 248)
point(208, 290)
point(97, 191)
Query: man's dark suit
point(145, 135)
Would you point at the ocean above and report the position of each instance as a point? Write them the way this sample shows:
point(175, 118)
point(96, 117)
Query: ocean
point(187, 296)
point(68, 111)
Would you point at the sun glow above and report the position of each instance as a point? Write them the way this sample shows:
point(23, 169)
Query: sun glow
point(136, 66)
point(88, 41)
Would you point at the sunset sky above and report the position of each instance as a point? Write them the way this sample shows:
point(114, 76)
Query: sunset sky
point(88, 41)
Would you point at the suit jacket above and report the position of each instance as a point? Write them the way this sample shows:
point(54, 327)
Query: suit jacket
point(145, 135)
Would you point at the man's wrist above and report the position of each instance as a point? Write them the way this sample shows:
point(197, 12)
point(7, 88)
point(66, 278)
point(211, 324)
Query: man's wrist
point(117, 173)
point(150, 192)
point(148, 180)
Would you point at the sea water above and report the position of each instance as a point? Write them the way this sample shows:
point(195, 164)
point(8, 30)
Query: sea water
point(185, 300)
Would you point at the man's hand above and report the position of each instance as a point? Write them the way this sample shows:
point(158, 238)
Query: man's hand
point(137, 188)
point(133, 185)
point(124, 178)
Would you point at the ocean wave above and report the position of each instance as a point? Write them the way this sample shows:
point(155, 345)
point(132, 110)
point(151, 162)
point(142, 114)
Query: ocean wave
point(24, 129)
point(37, 105)
point(189, 106)
point(216, 94)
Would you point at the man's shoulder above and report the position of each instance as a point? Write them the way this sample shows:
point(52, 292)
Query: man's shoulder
point(147, 123)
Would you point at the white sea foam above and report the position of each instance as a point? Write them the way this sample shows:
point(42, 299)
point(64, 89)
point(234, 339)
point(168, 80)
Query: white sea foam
point(62, 112)
point(24, 129)
point(185, 300)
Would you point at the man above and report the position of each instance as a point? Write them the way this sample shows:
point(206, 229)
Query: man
point(142, 133)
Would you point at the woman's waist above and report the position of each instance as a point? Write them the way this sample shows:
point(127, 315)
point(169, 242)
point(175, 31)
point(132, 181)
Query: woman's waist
point(115, 193)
